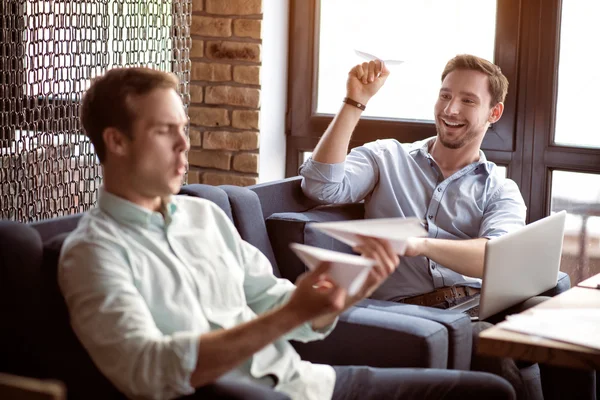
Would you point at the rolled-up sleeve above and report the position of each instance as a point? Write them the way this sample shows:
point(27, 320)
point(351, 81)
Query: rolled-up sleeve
point(505, 212)
point(347, 182)
point(114, 324)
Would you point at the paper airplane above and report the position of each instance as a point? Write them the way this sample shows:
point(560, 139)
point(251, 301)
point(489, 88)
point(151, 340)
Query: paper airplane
point(371, 57)
point(394, 230)
point(347, 271)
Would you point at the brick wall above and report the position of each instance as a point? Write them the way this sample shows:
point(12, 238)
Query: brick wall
point(225, 92)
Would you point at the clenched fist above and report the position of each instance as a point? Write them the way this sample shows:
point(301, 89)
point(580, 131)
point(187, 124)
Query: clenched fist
point(364, 80)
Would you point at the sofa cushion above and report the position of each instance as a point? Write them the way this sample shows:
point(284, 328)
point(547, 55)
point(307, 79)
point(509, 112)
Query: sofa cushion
point(294, 227)
point(21, 254)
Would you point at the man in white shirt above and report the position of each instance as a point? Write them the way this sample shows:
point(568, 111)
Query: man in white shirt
point(166, 297)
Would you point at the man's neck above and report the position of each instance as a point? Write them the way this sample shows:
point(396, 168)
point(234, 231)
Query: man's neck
point(452, 160)
point(117, 184)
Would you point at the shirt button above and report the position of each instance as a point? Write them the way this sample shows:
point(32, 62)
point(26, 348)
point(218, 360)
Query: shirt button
point(433, 267)
point(431, 217)
point(439, 189)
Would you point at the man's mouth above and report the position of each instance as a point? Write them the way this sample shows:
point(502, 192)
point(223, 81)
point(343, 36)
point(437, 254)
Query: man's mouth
point(452, 124)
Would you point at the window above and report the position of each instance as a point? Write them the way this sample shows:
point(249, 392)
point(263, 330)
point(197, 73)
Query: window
point(412, 87)
point(546, 140)
point(578, 85)
point(579, 194)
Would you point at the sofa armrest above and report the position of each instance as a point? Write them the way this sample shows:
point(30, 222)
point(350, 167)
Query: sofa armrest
point(380, 339)
point(234, 389)
point(294, 227)
point(562, 285)
point(282, 196)
point(457, 324)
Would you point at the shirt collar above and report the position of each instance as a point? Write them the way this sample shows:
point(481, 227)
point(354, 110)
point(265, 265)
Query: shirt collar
point(125, 211)
point(482, 158)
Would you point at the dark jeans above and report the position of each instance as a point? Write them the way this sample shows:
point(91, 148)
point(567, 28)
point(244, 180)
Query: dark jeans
point(557, 383)
point(403, 383)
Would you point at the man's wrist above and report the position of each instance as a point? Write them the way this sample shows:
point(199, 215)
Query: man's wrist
point(354, 103)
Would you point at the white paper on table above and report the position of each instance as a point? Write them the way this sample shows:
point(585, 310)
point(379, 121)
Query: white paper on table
point(394, 230)
point(347, 271)
point(593, 282)
point(580, 326)
point(372, 57)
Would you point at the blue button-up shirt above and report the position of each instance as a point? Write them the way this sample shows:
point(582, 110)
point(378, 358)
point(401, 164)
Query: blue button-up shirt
point(142, 288)
point(403, 180)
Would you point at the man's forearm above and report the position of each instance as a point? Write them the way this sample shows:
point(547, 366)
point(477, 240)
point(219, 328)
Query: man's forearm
point(223, 350)
point(462, 256)
point(333, 146)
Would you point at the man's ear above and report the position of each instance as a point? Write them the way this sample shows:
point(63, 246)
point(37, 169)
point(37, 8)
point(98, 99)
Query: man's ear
point(116, 142)
point(496, 113)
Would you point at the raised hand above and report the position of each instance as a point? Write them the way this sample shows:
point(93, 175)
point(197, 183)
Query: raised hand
point(365, 80)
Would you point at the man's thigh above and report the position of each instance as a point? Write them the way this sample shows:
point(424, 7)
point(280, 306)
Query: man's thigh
point(407, 383)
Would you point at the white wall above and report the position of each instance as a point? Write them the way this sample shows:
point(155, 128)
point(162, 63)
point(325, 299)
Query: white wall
point(273, 75)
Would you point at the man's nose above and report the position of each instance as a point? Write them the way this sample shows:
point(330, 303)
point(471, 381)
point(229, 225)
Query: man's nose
point(452, 108)
point(183, 141)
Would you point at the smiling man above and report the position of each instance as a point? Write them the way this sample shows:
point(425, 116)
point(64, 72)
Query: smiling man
point(444, 180)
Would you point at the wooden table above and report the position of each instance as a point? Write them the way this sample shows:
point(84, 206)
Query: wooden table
point(503, 343)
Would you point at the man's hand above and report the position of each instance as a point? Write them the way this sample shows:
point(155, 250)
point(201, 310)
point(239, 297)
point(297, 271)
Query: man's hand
point(364, 80)
point(316, 295)
point(387, 260)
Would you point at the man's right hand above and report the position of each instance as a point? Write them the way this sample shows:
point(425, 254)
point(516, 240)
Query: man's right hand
point(316, 295)
point(364, 80)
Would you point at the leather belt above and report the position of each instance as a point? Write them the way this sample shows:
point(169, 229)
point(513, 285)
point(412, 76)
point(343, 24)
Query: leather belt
point(440, 295)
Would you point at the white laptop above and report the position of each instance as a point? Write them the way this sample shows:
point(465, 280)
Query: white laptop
point(519, 265)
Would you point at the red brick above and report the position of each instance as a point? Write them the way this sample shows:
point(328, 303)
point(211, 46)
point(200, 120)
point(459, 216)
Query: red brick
point(245, 119)
point(194, 176)
point(234, 7)
point(210, 159)
point(219, 178)
point(196, 95)
point(230, 95)
point(247, 28)
point(210, 26)
point(197, 49)
point(205, 116)
point(246, 162)
point(210, 72)
point(195, 137)
point(223, 140)
point(240, 51)
point(248, 74)
point(197, 5)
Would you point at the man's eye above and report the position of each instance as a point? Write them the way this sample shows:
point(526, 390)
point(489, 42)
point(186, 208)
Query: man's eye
point(468, 101)
point(444, 96)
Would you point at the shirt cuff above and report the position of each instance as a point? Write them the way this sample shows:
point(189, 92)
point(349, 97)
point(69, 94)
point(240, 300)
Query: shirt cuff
point(328, 173)
point(305, 333)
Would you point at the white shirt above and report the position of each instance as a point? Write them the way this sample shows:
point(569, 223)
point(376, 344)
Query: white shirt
point(141, 289)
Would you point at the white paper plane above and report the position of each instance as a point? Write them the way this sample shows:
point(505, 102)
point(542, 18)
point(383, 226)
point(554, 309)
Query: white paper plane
point(370, 57)
point(347, 270)
point(395, 230)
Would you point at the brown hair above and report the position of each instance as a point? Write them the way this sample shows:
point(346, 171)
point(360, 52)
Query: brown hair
point(498, 84)
point(106, 103)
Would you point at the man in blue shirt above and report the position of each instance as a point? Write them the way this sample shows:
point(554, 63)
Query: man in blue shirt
point(166, 297)
point(445, 180)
